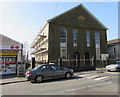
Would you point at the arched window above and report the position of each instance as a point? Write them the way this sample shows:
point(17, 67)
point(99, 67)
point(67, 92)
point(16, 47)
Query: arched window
point(97, 45)
point(63, 35)
point(88, 38)
point(97, 40)
point(63, 43)
point(74, 37)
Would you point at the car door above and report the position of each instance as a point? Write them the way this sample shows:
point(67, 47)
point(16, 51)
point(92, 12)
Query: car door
point(59, 72)
point(47, 72)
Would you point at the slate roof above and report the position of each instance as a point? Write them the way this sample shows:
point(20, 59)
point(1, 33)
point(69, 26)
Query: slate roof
point(114, 41)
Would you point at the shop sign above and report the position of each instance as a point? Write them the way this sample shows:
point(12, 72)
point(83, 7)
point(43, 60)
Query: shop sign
point(17, 47)
point(1, 62)
point(10, 62)
point(14, 47)
point(8, 54)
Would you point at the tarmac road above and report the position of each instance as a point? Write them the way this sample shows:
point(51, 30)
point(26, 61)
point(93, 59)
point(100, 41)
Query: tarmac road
point(80, 84)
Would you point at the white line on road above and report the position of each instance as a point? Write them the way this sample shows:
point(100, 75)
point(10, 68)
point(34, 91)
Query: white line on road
point(93, 76)
point(101, 78)
point(113, 72)
point(83, 75)
point(86, 87)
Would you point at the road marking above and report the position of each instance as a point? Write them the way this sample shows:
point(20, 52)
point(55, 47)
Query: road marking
point(86, 87)
point(101, 78)
point(73, 89)
point(83, 75)
point(113, 72)
point(93, 76)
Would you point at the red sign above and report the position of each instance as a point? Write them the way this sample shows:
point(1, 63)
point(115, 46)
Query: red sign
point(10, 62)
point(17, 47)
point(12, 47)
point(18, 62)
point(1, 62)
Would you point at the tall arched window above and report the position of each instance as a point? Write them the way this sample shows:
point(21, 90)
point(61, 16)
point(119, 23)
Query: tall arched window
point(63, 43)
point(97, 40)
point(97, 45)
point(63, 35)
point(88, 38)
point(74, 37)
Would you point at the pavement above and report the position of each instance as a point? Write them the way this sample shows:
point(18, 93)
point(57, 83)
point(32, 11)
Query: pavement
point(7, 79)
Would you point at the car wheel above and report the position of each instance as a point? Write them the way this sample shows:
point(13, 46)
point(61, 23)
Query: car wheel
point(108, 70)
point(68, 75)
point(118, 69)
point(38, 79)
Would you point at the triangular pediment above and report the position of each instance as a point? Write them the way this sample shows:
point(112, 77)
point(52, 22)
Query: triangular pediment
point(6, 42)
point(78, 16)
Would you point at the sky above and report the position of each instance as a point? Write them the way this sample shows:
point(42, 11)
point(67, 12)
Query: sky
point(22, 21)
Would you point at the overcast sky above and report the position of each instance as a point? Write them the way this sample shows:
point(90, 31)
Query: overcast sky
point(22, 21)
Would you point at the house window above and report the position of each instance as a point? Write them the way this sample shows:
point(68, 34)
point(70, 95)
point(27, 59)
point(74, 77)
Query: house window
point(63, 34)
point(74, 37)
point(114, 50)
point(88, 38)
point(97, 45)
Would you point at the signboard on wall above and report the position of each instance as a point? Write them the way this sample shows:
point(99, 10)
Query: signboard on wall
point(8, 54)
point(104, 56)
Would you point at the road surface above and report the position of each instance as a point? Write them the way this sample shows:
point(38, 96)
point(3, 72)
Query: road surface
point(80, 84)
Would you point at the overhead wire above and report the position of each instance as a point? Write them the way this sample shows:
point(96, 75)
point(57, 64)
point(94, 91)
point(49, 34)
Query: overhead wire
point(56, 7)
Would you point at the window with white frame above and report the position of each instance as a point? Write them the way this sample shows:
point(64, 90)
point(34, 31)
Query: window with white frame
point(63, 43)
point(97, 45)
point(63, 52)
point(88, 38)
point(63, 34)
point(74, 37)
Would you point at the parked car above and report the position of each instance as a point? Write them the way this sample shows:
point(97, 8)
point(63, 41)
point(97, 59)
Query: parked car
point(48, 71)
point(114, 67)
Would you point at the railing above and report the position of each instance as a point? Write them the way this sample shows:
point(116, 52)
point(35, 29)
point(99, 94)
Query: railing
point(38, 40)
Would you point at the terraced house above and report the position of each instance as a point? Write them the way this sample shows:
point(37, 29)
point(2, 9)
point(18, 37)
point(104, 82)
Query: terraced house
point(76, 37)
